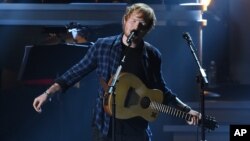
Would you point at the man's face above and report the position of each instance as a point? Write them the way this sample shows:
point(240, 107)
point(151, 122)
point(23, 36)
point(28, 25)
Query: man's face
point(135, 22)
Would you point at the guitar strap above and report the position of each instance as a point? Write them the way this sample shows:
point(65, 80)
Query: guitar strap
point(145, 61)
point(103, 84)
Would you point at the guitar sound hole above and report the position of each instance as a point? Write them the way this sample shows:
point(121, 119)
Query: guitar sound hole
point(145, 102)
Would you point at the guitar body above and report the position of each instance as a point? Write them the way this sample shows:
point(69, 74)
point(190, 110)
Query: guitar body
point(133, 99)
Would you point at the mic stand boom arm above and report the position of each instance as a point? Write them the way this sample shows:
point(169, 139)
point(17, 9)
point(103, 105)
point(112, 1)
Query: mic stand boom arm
point(202, 80)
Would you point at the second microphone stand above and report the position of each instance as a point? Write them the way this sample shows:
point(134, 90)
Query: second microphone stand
point(201, 80)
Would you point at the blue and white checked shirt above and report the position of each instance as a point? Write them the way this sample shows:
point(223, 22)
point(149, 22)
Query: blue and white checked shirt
point(104, 57)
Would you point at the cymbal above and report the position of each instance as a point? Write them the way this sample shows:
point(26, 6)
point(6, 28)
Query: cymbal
point(211, 94)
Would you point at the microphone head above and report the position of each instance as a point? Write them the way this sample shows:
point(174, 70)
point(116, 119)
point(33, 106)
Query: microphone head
point(131, 36)
point(133, 33)
point(186, 36)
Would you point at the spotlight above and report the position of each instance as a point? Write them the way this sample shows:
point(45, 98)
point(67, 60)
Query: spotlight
point(206, 2)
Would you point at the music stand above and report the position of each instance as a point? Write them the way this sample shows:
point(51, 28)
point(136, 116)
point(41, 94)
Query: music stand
point(42, 64)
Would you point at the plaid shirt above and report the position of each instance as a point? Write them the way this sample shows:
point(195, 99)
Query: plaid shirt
point(104, 57)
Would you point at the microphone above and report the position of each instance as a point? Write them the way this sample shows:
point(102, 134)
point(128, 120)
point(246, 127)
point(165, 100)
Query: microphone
point(131, 36)
point(187, 37)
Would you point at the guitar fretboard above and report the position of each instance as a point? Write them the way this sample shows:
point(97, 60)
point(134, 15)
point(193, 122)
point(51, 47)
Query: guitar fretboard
point(170, 110)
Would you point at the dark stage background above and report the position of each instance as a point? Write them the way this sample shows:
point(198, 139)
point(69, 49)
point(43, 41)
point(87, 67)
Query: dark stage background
point(68, 116)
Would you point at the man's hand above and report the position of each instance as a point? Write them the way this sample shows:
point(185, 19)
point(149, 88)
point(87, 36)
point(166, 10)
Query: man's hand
point(39, 101)
point(195, 119)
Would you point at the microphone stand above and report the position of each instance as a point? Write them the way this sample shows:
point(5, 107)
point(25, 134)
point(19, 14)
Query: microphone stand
point(112, 92)
point(201, 80)
point(112, 87)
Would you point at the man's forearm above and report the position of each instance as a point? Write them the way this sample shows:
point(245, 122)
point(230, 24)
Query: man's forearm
point(180, 105)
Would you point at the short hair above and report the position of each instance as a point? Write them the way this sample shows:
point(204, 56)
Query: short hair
point(146, 10)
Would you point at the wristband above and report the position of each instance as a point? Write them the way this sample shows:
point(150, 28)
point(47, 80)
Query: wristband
point(48, 95)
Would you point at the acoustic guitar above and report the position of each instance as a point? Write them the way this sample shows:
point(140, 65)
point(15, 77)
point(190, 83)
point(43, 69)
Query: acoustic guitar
point(134, 99)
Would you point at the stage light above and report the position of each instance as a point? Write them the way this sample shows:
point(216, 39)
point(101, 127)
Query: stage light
point(206, 2)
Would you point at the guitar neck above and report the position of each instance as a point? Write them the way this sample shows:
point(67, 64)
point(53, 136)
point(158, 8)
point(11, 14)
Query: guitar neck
point(170, 110)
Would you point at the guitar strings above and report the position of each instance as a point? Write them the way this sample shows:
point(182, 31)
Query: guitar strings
point(169, 110)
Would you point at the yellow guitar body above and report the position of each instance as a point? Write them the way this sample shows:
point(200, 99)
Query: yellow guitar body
point(133, 99)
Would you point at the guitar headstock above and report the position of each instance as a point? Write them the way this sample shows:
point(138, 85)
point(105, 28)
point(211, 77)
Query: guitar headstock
point(210, 123)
